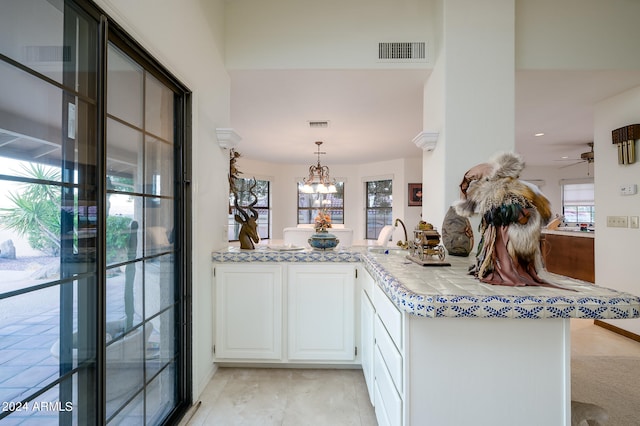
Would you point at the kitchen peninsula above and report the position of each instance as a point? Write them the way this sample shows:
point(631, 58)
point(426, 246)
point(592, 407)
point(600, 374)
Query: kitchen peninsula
point(436, 346)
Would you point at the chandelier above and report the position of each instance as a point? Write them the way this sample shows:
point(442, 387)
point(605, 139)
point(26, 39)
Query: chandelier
point(319, 180)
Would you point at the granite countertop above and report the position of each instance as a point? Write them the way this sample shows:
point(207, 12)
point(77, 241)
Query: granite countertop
point(570, 232)
point(449, 291)
point(283, 253)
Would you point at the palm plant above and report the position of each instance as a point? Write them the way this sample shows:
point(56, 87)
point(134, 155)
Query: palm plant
point(36, 211)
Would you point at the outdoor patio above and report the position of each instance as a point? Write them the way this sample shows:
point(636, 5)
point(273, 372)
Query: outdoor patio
point(29, 328)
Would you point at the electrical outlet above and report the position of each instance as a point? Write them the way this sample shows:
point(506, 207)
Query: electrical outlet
point(617, 222)
point(633, 222)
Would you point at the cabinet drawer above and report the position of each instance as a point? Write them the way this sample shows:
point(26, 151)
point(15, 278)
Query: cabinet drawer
point(367, 315)
point(390, 354)
point(366, 281)
point(387, 398)
point(381, 413)
point(390, 315)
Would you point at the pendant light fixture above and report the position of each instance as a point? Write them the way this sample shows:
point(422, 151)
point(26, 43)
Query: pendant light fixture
point(319, 180)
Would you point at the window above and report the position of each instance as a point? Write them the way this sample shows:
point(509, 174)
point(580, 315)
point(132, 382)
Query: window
point(310, 204)
point(94, 204)
point(578, 205)
point(262, 206)
point(379, 201)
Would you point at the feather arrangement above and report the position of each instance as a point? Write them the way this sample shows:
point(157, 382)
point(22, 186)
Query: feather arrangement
point(512, 214)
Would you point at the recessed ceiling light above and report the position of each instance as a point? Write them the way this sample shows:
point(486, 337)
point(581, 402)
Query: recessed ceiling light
point(539, 134)
point(565, 157)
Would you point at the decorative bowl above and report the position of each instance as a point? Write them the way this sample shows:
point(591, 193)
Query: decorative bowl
point(323, 241)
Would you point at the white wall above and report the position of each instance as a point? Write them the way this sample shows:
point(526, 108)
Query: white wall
point(616, 249)
point(576, 34)
point(329, 34)
point(186, 37)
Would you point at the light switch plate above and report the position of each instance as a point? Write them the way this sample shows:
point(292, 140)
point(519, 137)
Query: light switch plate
point(617, 222)
point(628, 189)
point(633, 222)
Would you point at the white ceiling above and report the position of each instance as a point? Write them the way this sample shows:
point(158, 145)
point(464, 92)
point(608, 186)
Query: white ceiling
point(374, 115)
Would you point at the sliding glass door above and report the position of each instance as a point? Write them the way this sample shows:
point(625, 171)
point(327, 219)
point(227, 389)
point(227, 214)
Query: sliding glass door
point(93, 201)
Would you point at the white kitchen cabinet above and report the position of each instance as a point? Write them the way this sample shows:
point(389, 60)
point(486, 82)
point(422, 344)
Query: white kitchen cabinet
point(383, 364)
point(320, 312)
point(367, 318)
point(249, 314)
point(389, 359)
point(388, 402)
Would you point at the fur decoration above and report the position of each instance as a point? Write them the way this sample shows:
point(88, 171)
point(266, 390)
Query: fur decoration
point(512, 215)
point(585, 414)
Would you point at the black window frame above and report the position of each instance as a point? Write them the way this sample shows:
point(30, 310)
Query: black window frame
point(378, 204)
point(332, 203)
point(263, 207)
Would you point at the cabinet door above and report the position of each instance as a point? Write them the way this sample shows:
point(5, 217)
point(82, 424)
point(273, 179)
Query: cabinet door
point(321, 312)
point(367, 315)
point(249, 312)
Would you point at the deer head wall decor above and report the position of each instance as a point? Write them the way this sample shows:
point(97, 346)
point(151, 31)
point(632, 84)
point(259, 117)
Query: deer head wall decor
point(249, 230)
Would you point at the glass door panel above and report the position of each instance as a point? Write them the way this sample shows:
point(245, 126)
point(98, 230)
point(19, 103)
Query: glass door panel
point(159, 220)
point(124, 157)
point(142, 278)
point(159, 167)
point(30, 118)
point(90, 303)
point(158, 109)
point(125, 88)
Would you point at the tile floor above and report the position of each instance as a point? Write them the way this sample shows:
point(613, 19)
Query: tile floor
point(249, 396)
point(253, 396)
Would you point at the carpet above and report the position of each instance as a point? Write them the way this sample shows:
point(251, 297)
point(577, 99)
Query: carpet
point(611, 382)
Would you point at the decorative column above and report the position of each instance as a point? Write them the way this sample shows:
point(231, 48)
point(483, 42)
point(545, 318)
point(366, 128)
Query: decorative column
point(469, 98)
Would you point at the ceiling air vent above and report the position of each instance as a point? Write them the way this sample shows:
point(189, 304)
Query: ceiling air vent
point(47, 53)
point(405, 52)
point(319, 124)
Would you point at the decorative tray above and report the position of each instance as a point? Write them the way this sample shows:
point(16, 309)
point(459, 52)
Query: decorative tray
point(286, 248)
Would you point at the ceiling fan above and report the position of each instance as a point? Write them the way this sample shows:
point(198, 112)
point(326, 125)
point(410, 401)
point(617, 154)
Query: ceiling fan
point(586, 157)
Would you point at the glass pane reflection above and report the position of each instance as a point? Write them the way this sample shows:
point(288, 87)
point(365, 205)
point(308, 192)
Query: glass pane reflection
point(162, 345)
point(39, 25)
point(124, 157)
point(30, 115)
point(159, 284)
point(34, 349)
point(158, 109)
point(124, 234)
point(125, 364)
point(161, 395)
point(125, 88)
point(132, 414)
point(159, 232)
point(124, 295)
point(159, 167)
